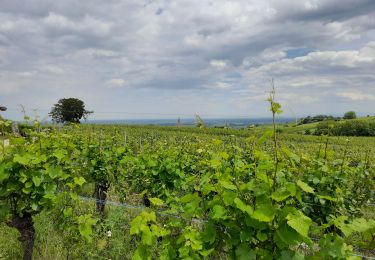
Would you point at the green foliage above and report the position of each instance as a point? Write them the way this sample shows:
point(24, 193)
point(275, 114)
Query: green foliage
point(318, 118)
point(347, 128)
point(350, 115)
point(210, 196)
point(69, 110)
point(5, 126)
point(35, 176)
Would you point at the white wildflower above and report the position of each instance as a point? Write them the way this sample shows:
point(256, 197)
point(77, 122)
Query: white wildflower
point(109, 233)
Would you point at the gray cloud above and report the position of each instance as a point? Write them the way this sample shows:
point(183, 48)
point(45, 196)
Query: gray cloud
point(322, 11)
point(108, 52)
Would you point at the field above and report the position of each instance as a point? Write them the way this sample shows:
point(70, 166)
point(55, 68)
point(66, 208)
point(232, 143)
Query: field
point(148, 192)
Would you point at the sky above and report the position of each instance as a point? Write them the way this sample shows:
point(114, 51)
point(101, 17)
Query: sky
point(169, 59)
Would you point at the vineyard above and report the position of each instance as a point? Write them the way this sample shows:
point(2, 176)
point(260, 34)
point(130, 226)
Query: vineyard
point(122, 192)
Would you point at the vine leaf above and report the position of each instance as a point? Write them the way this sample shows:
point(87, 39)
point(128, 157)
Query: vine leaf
point(244, 252)
point(299, 222)
point(219, 212)
point(305, 187)
point(156, 201)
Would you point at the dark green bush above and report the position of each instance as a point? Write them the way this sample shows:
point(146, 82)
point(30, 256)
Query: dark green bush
point(318, 118)
point(347, 128)
point(355, 128)
point(350, 115)
point(325, 128)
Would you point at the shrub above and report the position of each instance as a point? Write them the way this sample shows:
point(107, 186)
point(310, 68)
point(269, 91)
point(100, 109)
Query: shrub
point(350, 115)
point(325, 128)
point(355, 128)
point(347, 128)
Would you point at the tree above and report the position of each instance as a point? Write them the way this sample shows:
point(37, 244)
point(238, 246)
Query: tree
point(69, 110)
point(350, 115)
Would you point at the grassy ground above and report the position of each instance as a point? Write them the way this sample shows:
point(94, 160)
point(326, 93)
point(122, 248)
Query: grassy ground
point(51, 243)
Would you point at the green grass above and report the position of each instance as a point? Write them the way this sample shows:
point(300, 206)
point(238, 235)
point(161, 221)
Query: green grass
point(51, 243)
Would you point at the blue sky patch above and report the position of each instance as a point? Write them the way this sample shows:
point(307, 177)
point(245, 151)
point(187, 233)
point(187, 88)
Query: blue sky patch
point(294, 53)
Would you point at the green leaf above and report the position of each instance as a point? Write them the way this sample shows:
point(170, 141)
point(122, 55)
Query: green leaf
point(265, 137)
point(305, 187)
point(188, 197)
point(291, 255)
point(228, 197)
point(157, 201)
point(218, 212)
point(264, 210)
point(37, 181)
point(136, 225)
point(23, 160)
point(34, 206)
point(209, 233)
point(54, 172)
point(326, 197)
point(147, 236)
point(280, 194)
point(261, 236)
point(86, 222)
point(206, 253)
point(291, 187)
point(228, 185)
point(246, 235)
point(250, 186)
point(215, 163)
point(263, 176)
point(141, 253)
point(334, 246)
point(3, 174)
point(26, 190)
point(68, 212)
point(244, 252)
point(59, 154)
point(4, 211)
point(285, 236)
point(243, 207)
point(362, 225)
point(299, 222)
point(79, 181)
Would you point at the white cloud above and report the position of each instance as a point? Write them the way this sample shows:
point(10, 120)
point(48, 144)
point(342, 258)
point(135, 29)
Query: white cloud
point(271, 55)
point(51, 69)
point(221, 85)
point(357, 96)
point(116, 83)
point(27, 73)
point(219, 64)
point(87, 24)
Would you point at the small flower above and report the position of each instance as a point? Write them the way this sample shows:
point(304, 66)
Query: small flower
point(109, 233)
